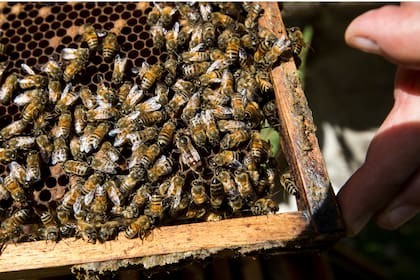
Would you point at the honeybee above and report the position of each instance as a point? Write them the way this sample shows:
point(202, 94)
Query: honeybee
point(212, 132)
point(32, 81)
point(102, 113)
point(256, 146)
point(198, 131)
point(74, 148)
point(79, 119)
point(119, 69)
point(216, 193)
point(158, 35)
point(221, 112)
point(8, 87)
point(220, 19)
point(191, 108)
point(234, 139)
point(78, 61)
point(150, 155)
point(3, 67)
point(67, 99)
point(123, 91)
point(196, 36)
point(110, 46)
point(278, 50)
point(69, 201)
point(189, 155)
point(188, 12)
point(166, 134)
point(103, 164)
point(88, 99)
point(171, 38)
point(138, 202)
point(100, 204)
point(7, 154)
point(50, 230)
point(32, 110)
point(154, 15)
point(184, 34)
point(226, 158)
point(166, 16)
point(54, 91)
point(150, 105)
point(137, 138)
point(4, 193)
point(211, 77)
point(171, 67)
point(53, 69)
point(114, 192)
point(151, 76)
point(89, 36)
point(14, 188)
point(195, 55)
point(253, 114)
point(129, 182)
point(141, 227)
point(174, 191)
point(268, 38)
point(227, 182)
point(162, 166)
point(16, 219)
point(93, 140)
point(62, 129)
point(238, 102)
point(253, 13)
point(288, 183)
point(45, 147)
point(27, 96)
point(80, 168)
point(151, 118)
point(18, 172)
point(92, 182)
point(264, 206)
point(232, 49)
point(198, 192)
point(108, 231)
point(33, 167)
point(296, 38)
point(21, 142)
point(230, 125)
point(155, 210)
point(13, 129)
point(270, 112)
point(263, 81)
point(227, 83)
point(214, 97)
point(195, 69)
point(209, 34)
point(271, 179)
point(110, 151)
point(249, 41)
point(133, 97)
point(85, 230)
point(244, 185)
point(60, 152)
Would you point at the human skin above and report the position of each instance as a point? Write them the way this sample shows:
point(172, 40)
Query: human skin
point(387, 185)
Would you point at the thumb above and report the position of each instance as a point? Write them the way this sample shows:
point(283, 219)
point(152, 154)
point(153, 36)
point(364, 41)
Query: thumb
point(390, 31)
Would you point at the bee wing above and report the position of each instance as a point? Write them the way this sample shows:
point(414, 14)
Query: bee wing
point(120, 62)
point(197, 48)
point(88, 198)
point(152, 104)
point(216, 65)
point(114, 197)
point(205, 10)
point(21, 99)
point(69, 53)
point(27, 69)
point(77, 206)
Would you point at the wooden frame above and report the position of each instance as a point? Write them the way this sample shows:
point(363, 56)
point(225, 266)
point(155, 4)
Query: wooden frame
point(315, 225)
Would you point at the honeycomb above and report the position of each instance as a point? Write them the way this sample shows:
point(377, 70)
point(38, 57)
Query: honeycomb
point(36, 32)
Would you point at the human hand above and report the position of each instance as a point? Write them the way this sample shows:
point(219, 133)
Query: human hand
point(387, 185)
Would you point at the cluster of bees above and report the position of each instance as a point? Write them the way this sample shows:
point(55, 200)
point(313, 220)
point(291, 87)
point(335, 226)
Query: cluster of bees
point(182, 145)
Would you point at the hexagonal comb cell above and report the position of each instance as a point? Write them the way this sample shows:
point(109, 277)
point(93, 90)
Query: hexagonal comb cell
point(118, 145)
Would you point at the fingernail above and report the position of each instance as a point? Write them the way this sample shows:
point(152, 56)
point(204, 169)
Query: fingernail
point(365, 44)
point(396, 217)
point(357, 225)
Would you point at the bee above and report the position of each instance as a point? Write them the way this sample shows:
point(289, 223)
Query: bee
point(174, 191)
point(53, 69)
point(195, 213)
point(13, 129)
point(232, 49)
point(198, 131)
point(189, 13)
point(191, 108)
point(235, 202)
point(80, 119)
point(105, 95)
point(189, 155)
point(212, 77)
point(150, 105)
point(184, 34)
point(214, 97)
point(102, 113)
point(45, 147)
point(89, 36)
point(100, 204)
point(32, 80)
point(3, 67)
point(216, 193)
point(92, 182)
point(86, 231)
point(60, 151)
point(195, 55)
point(195, 69)
point(288, 183)
point(264, 206)
point(150, 155)
point(129, 181)
point(67, 99)
point(209, 34)
point(226, 158)
point(270, 112)
point(4, 193)
point(198, 192)
point(244, 185)
point(152, 118)
point(78, 61)
point(271, 179)
point(234, 139)
point(196, 37)
point(253, 114)
point(133, 97)
point(123, 91)
point(7, 154)
point(108, 231)
point(54, 91)
point(138, 202)
point(110, 46)
point(224, 37)
point(230, 125)
point(238, 102)
point(253, 13)
point(93, 140)
point(88, 99)
point(171, 67)
point(32, 110)
point(171, 38)
point(74, 148)
point(20, 143)
point(50, 230)
point(155, 210)
point(229, 186)
point(62, 129)
point(256, 146)
point(114, 193)
point(154, 15)
point(75, 167)
point(15, 220)
point(162, 166)
point(158, 35)
point(8, 87)
point(212, 217)
point(249, 41)
point(227, 84)
point(151, 76)
point(278, 50)
point(33, 167)
point(296, 38)
point(14, 188)
point(141, 227)
point(212, 132)
point(110, 151)
point(166, 134)
point(27, 96)
point(119, 69)
point(166, 16)
point(220, 19)
point(69, 201)
point(137, 138)
point(103, 164)
point(18, 172)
